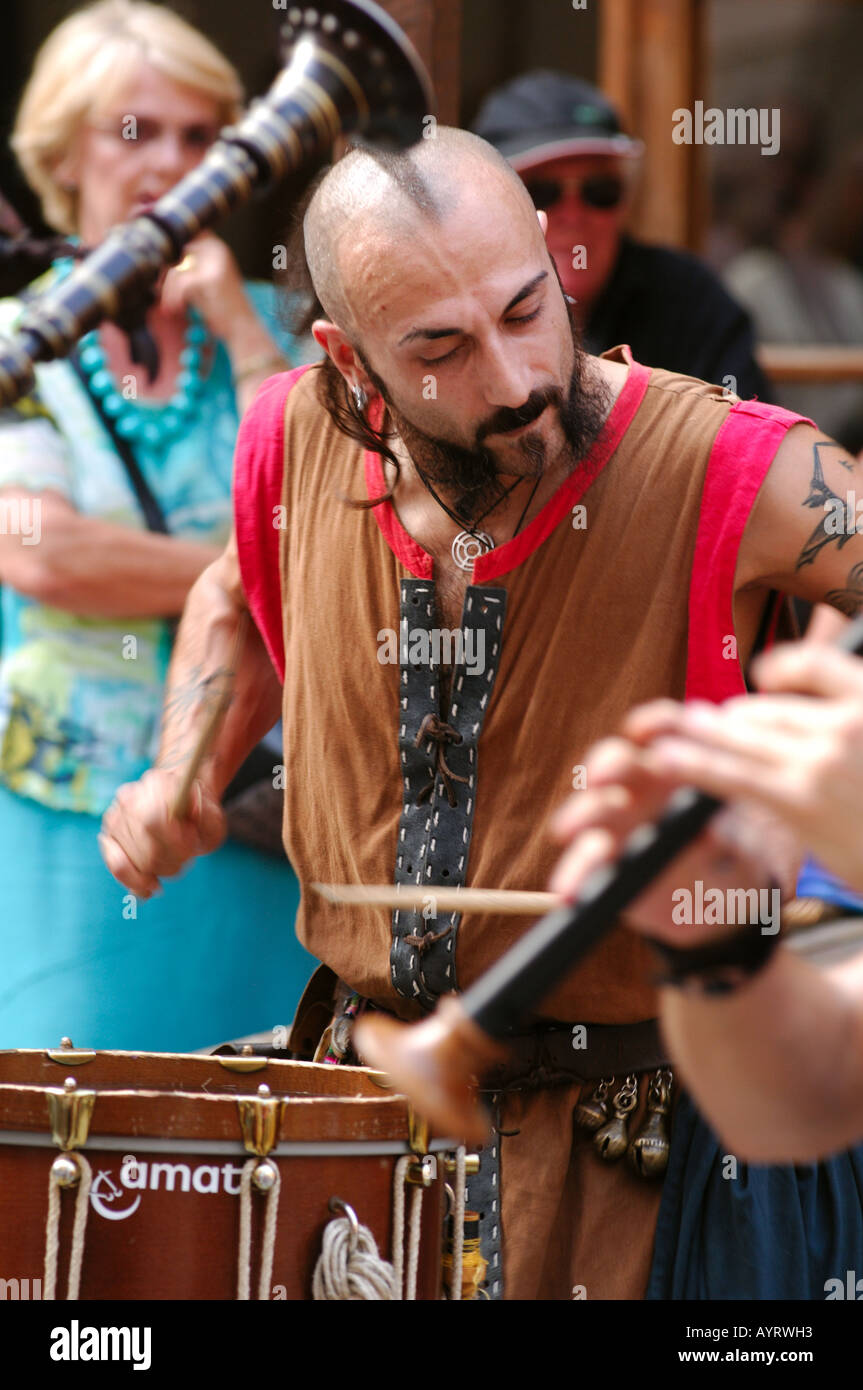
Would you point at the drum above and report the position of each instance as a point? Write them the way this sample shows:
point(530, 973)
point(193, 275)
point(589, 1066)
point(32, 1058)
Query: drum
point(162, 1176)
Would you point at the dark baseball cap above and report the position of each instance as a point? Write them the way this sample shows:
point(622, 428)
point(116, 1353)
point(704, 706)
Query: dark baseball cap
point(544, 115)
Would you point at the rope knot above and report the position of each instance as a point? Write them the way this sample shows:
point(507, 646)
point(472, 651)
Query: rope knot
point(349, 1268)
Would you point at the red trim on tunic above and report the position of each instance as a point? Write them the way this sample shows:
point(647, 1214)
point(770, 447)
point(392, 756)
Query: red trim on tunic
point(400, 542)
point(744, 449)
point(259, 461)
point(513, 553)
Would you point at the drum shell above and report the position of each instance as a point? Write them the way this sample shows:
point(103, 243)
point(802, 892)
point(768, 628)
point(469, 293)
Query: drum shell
point(171, 1229)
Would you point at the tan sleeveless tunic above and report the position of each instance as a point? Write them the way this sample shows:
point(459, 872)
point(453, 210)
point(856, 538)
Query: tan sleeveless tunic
point(599, 617)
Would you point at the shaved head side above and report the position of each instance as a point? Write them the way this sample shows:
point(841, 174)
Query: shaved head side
point(369, 192)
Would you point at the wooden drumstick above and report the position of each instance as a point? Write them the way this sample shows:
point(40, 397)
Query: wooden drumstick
point(213, 722)
point(413, 898)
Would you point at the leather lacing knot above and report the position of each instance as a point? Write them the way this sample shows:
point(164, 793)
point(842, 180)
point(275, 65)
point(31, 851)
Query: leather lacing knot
point(422, 943)
point(441, 733)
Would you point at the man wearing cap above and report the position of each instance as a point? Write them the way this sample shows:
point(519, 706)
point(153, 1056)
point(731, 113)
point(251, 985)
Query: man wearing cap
point(565, 140)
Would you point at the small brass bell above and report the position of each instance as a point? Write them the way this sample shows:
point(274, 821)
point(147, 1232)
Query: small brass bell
point(648, 1152)
point(612, 1140)
point(591, 1114)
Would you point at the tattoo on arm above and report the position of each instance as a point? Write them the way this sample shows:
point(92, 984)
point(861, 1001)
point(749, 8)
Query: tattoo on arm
point(192, 696)
point(850, 599)
point(819, 495)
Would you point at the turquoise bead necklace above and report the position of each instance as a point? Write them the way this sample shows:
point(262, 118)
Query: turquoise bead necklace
point(151, 423)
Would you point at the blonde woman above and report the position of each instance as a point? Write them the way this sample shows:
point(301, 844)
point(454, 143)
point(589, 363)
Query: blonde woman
point(124, 99)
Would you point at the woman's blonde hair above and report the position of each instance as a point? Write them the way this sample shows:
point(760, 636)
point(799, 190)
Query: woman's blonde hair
point(84, 62)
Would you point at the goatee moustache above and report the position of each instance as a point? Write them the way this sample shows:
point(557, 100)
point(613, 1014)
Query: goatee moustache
point(472, 476)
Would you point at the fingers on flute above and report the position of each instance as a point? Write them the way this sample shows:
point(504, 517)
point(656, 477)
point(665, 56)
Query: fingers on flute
point(811, 669)
point(623, 788)
point(760, 730)
point(589, 852)
point(645, 722)
point(732, 776)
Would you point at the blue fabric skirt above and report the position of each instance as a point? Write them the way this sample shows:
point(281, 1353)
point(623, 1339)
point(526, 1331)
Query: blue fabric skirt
point(770, 1231)
point(213, 958)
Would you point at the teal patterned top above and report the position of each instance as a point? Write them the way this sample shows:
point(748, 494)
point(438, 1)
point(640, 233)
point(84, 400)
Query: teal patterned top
point(80, 697)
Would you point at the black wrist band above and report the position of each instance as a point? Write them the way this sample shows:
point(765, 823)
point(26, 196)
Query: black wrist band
point(719, 966)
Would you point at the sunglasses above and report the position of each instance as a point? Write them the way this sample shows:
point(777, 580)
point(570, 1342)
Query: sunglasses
point(603, 191)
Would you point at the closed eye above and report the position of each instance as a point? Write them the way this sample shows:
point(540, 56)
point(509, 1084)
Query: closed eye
point(436, 361)
point(527, 318)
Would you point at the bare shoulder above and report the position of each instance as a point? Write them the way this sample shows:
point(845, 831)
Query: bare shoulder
point(801, 535)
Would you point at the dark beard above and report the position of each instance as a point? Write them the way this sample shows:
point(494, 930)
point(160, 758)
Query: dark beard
point(472, 476)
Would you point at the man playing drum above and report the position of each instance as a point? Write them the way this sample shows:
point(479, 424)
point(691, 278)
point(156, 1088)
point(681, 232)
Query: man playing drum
point(577, 535)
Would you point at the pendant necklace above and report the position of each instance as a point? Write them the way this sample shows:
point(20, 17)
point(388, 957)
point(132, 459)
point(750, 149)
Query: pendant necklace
point(471, 543)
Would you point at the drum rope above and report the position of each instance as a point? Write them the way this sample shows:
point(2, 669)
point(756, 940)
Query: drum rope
point(349, 1268)
point(458, 1205)
point(410, 1292)
point(79, 1228)
point(268, 1244)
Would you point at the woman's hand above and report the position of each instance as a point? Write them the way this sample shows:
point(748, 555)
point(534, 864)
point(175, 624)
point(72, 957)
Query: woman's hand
point(741, 849)
point(208, 279)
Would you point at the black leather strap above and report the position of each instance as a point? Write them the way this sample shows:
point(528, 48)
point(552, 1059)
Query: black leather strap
point(482, 1195)
point(153, 514)
point(437, 814)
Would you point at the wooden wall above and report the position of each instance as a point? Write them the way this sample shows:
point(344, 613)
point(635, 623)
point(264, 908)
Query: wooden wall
point(651, 61)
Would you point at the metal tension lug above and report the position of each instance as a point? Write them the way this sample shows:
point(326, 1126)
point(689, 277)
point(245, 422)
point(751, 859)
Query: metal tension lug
point(245, 1062)
point(69, 1056)
point(418, 1132)
point(471, 1165)
point(422, 1172)
point(259, 1122)
point(70, 1111)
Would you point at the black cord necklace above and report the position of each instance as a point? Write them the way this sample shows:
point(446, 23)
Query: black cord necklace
point(471, 543)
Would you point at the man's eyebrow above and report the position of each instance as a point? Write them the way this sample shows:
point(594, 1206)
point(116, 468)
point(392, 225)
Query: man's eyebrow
point(527, 291)
point(430, 334)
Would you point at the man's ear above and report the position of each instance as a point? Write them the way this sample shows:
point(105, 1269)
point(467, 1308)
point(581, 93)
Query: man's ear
point(342, 353)
point(339, 349)
point(542, 218)
point(325, 335)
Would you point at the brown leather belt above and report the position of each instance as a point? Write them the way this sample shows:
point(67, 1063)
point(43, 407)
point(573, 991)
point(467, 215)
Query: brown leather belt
point(552, 1054)
point(563, 1054)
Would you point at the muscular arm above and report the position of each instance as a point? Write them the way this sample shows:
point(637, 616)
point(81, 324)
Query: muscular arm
point(96, 568)
point(205, 645)
point(142, 841)
point(801, 536)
